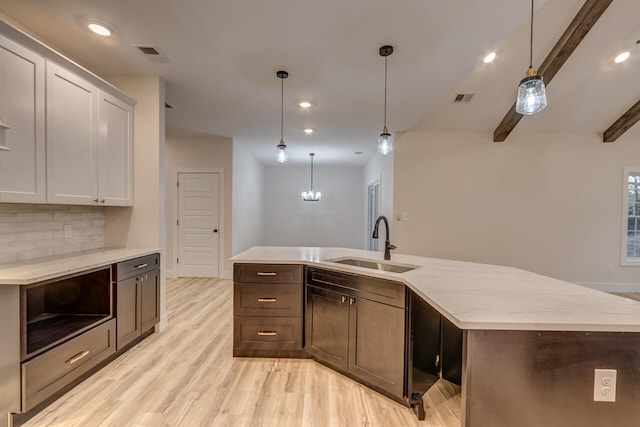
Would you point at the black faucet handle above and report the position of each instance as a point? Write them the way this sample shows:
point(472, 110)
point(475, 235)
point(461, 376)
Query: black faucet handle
point(391, 247)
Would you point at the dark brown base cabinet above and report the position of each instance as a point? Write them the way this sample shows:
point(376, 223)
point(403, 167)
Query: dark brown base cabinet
point(67, 328)
point(267, 308)
point(137, 290)
point(73, 325)
point(357, 325)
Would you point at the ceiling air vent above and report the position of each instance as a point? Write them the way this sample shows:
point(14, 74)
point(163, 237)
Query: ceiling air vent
point(152, 53)
point(463, 98)
point(148, 50)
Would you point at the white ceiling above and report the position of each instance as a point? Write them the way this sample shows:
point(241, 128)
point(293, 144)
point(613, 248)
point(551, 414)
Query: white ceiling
point(222, 56)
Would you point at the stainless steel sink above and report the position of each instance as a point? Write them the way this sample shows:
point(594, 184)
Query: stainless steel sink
point(375, 265)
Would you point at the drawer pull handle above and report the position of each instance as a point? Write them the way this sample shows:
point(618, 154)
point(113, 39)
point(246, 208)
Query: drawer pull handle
point(267, 299)
point(267, 333)
point(77, 357)
point(267, 273)
point(142, 265)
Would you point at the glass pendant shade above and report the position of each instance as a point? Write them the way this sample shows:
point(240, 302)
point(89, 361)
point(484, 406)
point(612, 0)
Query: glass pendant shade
point(532, 96)
point(311, 196)
point(281, 152)
point(385, 142)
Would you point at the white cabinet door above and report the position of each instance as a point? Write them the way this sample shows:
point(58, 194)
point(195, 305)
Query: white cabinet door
point(72, 140)
point(22, 169)
point(115, 157)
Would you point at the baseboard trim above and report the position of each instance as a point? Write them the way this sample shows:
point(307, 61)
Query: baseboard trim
point(173, 274)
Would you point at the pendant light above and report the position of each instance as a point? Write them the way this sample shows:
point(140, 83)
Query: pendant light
point(281, 148)
point(311, 196)
point(532, 97)
point(385, 141)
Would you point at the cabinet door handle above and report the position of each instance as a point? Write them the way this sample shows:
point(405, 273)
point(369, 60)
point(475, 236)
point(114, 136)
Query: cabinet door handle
point(73, 359)
point(343, 299)
point(267, 299)
point(267, 333)
point(141, 265)
point(267, 273)
point(352, 301)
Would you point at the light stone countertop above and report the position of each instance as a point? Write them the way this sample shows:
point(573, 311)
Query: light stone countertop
point(480, 296)
point(37, 270)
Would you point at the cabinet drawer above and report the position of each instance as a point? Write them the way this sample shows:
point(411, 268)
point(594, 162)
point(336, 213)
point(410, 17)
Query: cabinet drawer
point(130, 268)
point(46, 374)
point(267, 299)
point(267, 273)
point(267, 333)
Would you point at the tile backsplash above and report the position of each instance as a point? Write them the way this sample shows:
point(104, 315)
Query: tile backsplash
point(34, 231)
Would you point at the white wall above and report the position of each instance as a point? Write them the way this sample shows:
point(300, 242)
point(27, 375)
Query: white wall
point(199, 154)
point(381, 167)
point(336, 220)
point(247, 209)
point(545, 202)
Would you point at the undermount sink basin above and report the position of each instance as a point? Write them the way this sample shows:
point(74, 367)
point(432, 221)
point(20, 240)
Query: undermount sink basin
point(375, 265)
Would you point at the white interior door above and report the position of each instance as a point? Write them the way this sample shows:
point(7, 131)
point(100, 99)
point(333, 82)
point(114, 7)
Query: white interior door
point(198, 224)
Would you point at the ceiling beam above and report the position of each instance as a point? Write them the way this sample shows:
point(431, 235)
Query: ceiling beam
point(568, 42)
point(623, 124)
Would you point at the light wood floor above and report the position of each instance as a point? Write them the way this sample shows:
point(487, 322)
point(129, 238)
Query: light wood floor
point(185, 376)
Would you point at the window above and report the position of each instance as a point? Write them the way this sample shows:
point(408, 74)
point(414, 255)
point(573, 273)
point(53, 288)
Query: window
point(373, 211)
point(631, 217)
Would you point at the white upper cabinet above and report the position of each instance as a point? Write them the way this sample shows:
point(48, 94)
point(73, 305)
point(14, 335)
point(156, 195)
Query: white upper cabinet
point(72, 138)
point(115, 155)
point(22, 107)
point(89, 143)
point(66, 135)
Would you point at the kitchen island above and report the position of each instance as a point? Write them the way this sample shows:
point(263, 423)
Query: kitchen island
point(530, 343)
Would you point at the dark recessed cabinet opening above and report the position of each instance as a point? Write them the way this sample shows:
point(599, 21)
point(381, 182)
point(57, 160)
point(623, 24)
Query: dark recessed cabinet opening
point(55, 311)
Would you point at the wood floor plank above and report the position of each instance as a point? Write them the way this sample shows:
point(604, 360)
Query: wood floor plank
point(186, 376)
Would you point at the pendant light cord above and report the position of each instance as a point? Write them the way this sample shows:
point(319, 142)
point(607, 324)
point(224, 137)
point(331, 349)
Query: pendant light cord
point(311, 173)
point(531, 39)
point(385, 91)
point(282, 109)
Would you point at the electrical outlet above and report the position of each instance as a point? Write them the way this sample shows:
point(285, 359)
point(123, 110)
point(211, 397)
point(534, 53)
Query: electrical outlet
point(604, 385)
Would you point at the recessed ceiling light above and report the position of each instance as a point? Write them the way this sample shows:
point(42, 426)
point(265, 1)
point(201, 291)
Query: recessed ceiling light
point(622, 57)
point(489, 58)
point(308, 131)
point(305, 104)
point(100, 29)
